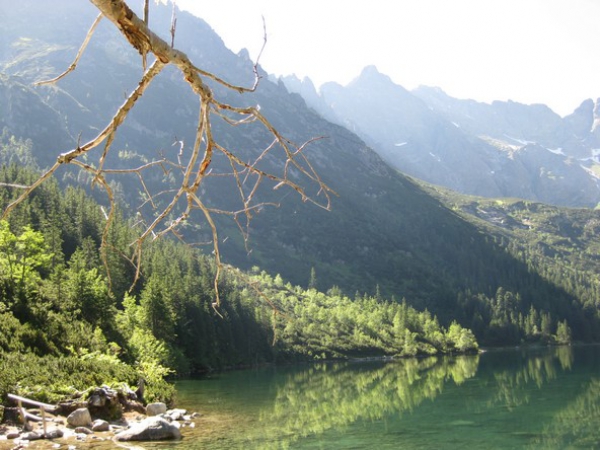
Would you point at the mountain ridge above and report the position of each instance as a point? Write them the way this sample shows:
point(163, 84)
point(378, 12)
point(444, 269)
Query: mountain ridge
point(476, 148)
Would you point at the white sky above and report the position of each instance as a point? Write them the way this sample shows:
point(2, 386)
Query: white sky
point(530, 51)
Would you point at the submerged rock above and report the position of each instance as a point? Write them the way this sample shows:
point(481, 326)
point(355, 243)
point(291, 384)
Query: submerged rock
point(150, 429)
point(176, 414)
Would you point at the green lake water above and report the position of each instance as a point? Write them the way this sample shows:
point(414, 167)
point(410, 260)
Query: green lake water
point(536, 398)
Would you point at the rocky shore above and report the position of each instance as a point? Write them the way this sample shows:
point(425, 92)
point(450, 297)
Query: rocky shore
point(105, 415)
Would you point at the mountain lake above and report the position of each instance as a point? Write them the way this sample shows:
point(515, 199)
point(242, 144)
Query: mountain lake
point(535, 398)
point(546, 398)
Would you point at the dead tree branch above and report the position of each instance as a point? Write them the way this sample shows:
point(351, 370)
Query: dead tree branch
point(73, 65)
point(194, 166)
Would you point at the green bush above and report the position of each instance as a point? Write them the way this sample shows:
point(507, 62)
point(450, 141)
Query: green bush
point(51, 379)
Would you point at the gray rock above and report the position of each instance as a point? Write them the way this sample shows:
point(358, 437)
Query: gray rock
point(30, 436)
point(155, 409)
point(56, 433)
point(97, 400)
point(150, 429)
point(12, 435)
point(100, 425)
point(105, 403)
point(134, 405)
point(83, 430)
point(80, 418)
point(176, 414)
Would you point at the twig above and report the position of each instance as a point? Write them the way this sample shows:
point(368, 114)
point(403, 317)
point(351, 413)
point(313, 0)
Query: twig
point(173, 24)
point(73, 65)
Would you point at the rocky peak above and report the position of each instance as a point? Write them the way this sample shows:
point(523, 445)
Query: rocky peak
point(581, 120)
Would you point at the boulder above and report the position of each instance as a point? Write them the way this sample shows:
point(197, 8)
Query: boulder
point(80, 418)
point(100, 425)
point(150, 429)
point(134, 405)
point(83, 430)
point(55, 433)
point(14, 434)
point(155, 409)
point(66, 408)
point(30, 436)
point(176, 414)
point(105, 403)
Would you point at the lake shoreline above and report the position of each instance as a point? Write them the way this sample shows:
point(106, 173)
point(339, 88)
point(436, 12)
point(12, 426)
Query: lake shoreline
point(43, 423)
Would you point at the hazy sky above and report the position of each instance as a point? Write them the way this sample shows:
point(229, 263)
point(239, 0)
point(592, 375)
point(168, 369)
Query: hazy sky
point(530, 51)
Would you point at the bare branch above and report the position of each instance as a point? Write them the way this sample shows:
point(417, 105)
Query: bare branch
point(146, 11)
point(117, 119)
point(73, 65)
point(16, 186)
point(173, 25)
point(189, 167)
point(30, 189)
point(215, 236)
point(146, 17)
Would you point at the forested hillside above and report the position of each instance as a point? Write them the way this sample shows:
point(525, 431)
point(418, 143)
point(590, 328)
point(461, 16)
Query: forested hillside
point(558, 245)
point(74, 304)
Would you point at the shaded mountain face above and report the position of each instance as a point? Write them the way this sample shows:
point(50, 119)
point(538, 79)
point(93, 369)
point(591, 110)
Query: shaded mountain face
point(505, 149)
point(384, 230)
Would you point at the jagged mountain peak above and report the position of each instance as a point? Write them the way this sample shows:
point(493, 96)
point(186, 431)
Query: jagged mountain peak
point(371, 69)
point(462, 144)
point(244, 53)
point(371, 78)
point(580, 121)
point(585, 108)
point(371, 73)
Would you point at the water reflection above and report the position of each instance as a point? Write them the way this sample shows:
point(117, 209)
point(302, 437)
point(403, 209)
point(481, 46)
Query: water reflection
point(534, 398)
point(513, 385)
point(577, 425)
point(334, 396)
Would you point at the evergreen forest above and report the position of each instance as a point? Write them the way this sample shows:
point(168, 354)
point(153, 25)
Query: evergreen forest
point(72, 314)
